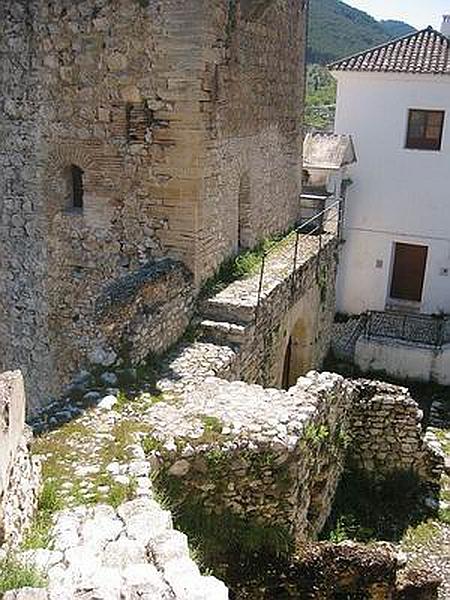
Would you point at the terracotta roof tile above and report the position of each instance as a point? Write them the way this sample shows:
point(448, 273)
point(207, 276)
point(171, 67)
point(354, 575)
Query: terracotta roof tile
point(426, 51)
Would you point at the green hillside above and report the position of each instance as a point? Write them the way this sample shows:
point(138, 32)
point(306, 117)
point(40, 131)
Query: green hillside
point(337, 30)
point(396, 29)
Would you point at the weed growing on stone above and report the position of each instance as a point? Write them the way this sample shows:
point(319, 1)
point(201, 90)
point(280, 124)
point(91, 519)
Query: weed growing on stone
point(119, 492)
point(108, 491)
point(125, 434)
point(444, 515)
point(444, 440)
point(322, 282)
point(212, 424)
point(241, 266)
point(122, 401)
point(216, 459)
point(343, 439)
point(260, 461)
point(317, 434)
point(15, 575)
point(151, 444)
point(49, 503)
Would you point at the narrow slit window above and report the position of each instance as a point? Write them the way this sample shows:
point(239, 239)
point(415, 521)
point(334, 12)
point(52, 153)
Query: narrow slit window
point(77, 187)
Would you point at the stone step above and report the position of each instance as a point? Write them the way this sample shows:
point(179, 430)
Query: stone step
point(224, 331)
point(219, 310)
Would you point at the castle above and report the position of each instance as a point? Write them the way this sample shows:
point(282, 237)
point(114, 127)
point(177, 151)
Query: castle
point(143, 142)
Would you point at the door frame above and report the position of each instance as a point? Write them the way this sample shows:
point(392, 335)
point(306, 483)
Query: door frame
point(413, 304)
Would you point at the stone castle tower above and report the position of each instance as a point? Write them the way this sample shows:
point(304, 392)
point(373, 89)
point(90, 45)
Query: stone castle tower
point(134, 130)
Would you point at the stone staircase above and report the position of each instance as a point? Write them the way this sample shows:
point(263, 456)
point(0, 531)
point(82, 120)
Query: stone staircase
point(226, 322)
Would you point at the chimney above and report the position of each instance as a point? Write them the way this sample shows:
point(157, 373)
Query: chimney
point(445, 27)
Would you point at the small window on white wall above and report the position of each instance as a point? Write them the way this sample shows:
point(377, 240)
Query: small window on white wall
point(425, 129)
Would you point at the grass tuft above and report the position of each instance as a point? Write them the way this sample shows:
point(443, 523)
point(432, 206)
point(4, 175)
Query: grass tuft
point(15, 575)
point(241, 266)
point(49, 503)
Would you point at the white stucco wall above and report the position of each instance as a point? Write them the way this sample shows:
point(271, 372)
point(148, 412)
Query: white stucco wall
point(403, 360)
point(398, 195)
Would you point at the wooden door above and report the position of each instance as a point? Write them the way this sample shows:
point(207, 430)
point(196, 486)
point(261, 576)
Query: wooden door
point(286, 382)
point(409, 272)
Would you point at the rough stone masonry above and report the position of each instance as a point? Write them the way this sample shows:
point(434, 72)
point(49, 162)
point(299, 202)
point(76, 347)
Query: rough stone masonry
point(19, 471)
point(268, 456)
point(134, 130)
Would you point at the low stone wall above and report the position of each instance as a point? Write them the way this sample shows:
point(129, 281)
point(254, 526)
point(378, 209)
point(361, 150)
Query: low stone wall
point(276, 457)
point(147, 311)
point(19, 472)
point(387, 435)
point(272, 456)
point(131, 552)
point(404, 360)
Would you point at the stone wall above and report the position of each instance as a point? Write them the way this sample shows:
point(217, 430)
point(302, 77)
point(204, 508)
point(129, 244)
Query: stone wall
point(288, 332)
point(146, 311)
point(19, 472)
point(129, 552)
point(298, 312)
point(275, 457)
point(168, 110)
point(387, 436)
point(267, 455)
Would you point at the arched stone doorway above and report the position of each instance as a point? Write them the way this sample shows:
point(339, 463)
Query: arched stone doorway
point(298, 356)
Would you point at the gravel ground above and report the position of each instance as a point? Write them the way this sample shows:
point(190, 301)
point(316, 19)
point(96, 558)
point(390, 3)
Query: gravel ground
point(428, 545)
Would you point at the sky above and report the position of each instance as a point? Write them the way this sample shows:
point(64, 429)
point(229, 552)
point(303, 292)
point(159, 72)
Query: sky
point(419, 13)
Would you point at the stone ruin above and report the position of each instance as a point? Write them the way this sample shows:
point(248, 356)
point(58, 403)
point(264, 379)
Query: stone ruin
point(264, 455)
point(277, 456)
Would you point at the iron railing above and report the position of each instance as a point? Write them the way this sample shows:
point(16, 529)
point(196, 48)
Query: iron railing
point(326, 222)
point(419, 329)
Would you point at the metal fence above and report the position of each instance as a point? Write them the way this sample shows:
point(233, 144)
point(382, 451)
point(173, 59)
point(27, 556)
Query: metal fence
point(324, 223)
point(420, 329)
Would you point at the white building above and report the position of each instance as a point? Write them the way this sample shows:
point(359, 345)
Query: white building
point(394, 100)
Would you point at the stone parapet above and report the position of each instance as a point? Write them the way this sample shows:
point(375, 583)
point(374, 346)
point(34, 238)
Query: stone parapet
point(281, 320)
point(19, 471)
point(147, 311)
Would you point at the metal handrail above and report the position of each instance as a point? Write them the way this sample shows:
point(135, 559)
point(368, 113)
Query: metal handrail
point(428, 330)
point(302, 229)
